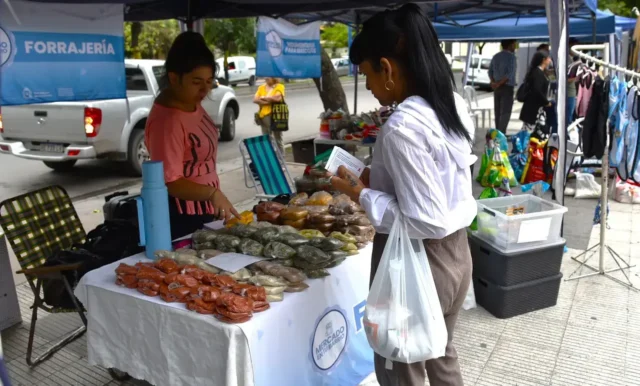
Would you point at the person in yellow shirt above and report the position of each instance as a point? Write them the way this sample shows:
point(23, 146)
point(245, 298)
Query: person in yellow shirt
point(272, 91)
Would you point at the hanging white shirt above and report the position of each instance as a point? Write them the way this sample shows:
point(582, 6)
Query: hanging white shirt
point(423, 172)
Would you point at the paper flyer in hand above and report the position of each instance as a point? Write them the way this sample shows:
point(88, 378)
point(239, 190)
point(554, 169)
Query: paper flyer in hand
point(340, 157)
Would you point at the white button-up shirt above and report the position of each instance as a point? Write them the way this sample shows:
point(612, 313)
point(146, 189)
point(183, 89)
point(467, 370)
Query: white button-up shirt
point(423, 172)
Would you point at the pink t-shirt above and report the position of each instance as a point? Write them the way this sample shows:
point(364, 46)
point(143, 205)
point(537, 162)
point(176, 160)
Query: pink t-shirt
point(187, 145)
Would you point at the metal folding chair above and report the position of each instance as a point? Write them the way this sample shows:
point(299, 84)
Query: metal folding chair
point(264, 167)
point(37, 225)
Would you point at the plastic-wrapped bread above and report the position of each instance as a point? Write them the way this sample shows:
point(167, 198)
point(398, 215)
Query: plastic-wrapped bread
point(320, 198)
point(299, 199)
point(293, 213)
point(268, 281)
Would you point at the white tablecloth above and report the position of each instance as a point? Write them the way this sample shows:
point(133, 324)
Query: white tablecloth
point(313, 337)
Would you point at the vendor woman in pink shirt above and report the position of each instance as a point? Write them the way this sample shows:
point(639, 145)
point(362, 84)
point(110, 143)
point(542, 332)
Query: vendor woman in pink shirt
point(182, 135)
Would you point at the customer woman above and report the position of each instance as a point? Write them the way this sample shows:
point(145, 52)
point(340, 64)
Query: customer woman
point(182, 135)
point(272, 91)
point(420, 168)
point(537, 85)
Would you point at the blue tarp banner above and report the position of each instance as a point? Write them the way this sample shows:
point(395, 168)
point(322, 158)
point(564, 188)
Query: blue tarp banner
point(286, 50)
point(60, 52)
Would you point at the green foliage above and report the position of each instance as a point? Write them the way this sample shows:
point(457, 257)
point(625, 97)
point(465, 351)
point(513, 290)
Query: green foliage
point(334, 35)
point(619, 7)
point(154, 40)
point(231, 36)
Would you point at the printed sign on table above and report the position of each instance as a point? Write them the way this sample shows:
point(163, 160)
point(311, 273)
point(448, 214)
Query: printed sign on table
point(286, 50)
point(60, 52)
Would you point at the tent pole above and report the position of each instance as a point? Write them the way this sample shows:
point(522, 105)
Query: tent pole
point(355, 76)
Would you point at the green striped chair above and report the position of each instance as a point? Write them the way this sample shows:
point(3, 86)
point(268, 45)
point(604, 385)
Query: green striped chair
point(264, 167)
point(37, 225)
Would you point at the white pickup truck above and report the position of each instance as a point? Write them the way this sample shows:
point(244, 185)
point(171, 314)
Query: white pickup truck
point(61, 133)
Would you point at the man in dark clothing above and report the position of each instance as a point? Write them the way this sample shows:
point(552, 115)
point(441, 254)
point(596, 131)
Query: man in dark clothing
point(502, 72)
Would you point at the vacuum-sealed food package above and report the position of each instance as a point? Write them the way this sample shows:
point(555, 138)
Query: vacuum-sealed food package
point(278, 250)
point(293, 213)
point(251, 247)
point(151, 273)
point(292, 239)
point(125, 269)
point(320, 198)
point(128, 281)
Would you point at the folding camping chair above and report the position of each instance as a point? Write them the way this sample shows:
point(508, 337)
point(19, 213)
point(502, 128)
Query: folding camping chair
point(264, 167)
point(37, 225)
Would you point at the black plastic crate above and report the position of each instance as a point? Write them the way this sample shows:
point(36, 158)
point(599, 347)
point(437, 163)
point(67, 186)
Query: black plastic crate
point(507, 269)
point(506, 302)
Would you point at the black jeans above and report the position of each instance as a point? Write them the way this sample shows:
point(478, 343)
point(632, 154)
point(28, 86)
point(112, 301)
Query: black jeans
point(503, 105)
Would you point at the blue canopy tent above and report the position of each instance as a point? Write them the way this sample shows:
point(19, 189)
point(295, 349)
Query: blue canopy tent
point(473, 28)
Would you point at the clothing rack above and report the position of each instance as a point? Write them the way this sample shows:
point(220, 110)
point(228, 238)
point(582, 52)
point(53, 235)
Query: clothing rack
point(622, 264)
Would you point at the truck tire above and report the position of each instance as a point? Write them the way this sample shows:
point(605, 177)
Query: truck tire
point(228, 131)
point(137, 153)
point(252, 81)
point(63, 166)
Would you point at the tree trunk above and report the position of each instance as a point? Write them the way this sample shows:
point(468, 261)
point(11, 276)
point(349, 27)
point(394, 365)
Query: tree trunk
point(136, 30)
point(481, 47)
point(225, 63)
point(331, 91)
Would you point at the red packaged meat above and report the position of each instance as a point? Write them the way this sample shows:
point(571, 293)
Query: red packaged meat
point(167, 266)
point(186, 280)
point(125, 269)
point(234, 303)
point(208, 293)
point(200, 306)
point(261, 306)
point(224, 281)
point(224, 315)
point(129, 281)
point(148, 287)
point(150, 273)
point(193, 270)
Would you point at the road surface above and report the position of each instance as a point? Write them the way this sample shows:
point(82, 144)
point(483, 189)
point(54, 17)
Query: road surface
point(88, 178)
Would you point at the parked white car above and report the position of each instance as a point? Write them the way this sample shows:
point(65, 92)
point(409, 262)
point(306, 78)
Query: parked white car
point(61, 133)
point(242, 69)
point(342, 66)
point(479, 71)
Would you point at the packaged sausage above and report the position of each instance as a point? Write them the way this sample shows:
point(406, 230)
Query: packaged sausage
point(293, 213)
point(167, 265)
point(209, 253)
point(194, 271)
point(187, 251)
point(129, 281)
point(260, 306)
point(125, 269)
point(320, 198)
point(150, 273)
point(298, 224)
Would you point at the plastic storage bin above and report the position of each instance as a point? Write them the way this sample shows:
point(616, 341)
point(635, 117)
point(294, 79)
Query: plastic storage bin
point(538, 225)
point(509, 268)
point(506, 302)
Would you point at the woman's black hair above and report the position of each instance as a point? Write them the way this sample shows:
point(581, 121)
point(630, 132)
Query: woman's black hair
point(536, 61)
point(188, 52)
point(408, 36)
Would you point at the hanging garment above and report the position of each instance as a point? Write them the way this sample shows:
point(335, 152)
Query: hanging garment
point(631, 134)
point(620, 135)
point(619, 118)
point(616, 147)
point(586, 80)
point(594, 129)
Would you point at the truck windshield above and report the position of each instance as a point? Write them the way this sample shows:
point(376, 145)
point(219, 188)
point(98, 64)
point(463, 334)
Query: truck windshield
point(159, 73)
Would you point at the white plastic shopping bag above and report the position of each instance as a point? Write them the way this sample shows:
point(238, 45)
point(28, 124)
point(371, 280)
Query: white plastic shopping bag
point(403, 318)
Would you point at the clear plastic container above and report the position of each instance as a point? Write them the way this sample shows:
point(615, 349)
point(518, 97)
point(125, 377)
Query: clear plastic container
point(519, 222)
